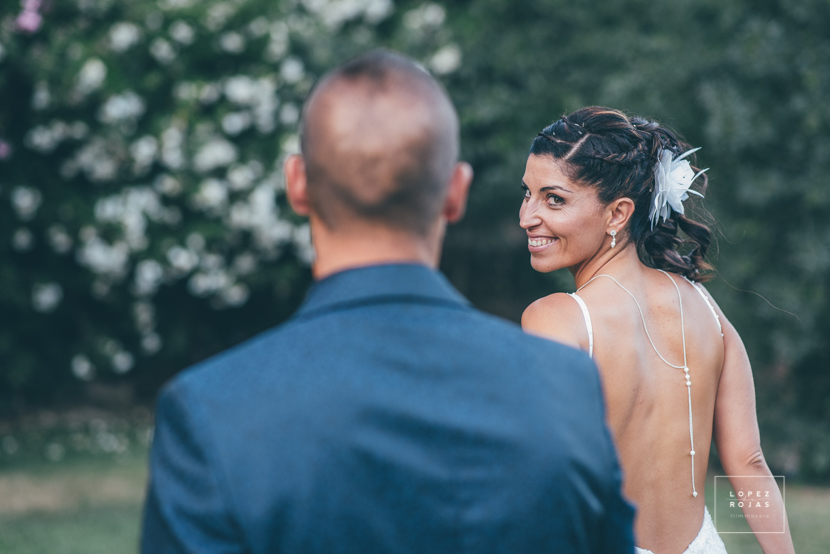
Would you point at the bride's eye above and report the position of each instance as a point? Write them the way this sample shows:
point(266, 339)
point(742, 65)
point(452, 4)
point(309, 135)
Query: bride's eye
point(555, 200)
point(526, 192)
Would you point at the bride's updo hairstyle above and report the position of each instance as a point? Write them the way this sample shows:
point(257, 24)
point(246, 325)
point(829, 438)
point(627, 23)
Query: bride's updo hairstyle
point(617, 154)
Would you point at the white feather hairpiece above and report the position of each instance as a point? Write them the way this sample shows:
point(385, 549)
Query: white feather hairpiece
point(672, 179)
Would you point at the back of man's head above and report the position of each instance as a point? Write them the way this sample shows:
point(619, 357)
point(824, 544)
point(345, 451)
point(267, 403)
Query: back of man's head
point(379, 137)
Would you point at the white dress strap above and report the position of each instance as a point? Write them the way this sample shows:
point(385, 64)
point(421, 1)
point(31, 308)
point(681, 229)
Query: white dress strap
point(587, 323)
point(699, 289)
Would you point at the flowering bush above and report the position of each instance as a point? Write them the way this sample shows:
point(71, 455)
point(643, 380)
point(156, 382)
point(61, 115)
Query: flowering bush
point(143, 224)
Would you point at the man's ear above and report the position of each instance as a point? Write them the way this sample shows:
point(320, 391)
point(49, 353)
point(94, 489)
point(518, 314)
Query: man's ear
point(620, 212)
point(459, 188)
point(296, 188)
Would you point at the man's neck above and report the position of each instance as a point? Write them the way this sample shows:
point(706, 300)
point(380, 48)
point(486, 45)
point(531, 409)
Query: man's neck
point(337, 251)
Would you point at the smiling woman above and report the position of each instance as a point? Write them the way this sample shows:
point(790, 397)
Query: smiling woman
point(604, 198)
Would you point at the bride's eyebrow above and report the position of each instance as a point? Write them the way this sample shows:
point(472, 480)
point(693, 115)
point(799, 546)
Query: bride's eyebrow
point(548, 188)
point(554, 187)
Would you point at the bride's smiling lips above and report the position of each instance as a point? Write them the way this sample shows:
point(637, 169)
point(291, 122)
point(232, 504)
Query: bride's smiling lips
point(536, 243)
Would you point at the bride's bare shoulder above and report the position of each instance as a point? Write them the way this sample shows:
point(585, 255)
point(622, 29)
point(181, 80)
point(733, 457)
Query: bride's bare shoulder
point(557, 317)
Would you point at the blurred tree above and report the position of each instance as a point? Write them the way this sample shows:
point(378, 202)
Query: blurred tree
point(143, 225)
point(747, 81)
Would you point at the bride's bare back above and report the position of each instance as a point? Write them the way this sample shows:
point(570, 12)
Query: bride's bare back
point(647, 399)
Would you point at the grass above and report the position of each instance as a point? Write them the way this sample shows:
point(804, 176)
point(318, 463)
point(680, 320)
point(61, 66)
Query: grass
point(78, 506)
point(90, 530)
point(91, 505)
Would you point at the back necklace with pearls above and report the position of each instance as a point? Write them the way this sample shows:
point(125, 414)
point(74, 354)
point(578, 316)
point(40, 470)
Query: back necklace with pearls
point(684, 367)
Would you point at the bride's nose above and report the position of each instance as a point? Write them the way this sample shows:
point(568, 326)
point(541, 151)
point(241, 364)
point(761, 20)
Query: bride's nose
point(528, 217)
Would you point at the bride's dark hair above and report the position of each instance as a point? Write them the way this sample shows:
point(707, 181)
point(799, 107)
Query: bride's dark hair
point(606, 149)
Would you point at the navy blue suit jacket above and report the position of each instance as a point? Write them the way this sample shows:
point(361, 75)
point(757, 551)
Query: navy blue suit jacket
point(387, 415)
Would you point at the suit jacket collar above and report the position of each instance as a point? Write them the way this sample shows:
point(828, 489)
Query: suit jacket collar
point(375, 283)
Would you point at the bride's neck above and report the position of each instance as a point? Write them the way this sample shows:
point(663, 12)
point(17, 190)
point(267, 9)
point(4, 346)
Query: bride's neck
point(617, 263)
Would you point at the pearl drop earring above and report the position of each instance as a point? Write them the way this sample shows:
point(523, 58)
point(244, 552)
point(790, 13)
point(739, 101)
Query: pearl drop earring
point(613, 239)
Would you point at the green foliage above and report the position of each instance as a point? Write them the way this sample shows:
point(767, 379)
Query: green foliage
point(748, 82)
point(119, 221)
point(143, 225)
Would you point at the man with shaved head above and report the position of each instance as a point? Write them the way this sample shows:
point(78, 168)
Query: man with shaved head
point(387, 415)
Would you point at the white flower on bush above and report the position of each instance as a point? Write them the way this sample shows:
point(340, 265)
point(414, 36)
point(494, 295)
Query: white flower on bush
point(154, 20)
point(162, 51)
point(292, 70)
point(426, 16)
point(186, 91)
point(241, 90)
point(258, 27)
point(172, 154)
point(167, 185)
point(91, 77)
point(196, 242)
point(176, 4)
point(182, 259)
point(130, 209)
point(210, 93)
point(236, 122)
point(277, 41)
point(244, 264)
point(232, 42)
point(334, 13)
point(26, 201)
point(149, 274)
point(144, 314)
point(123, 36)
point(102, 258)
point(122, 362)
point(266, 104)
point(289, 114)
point(212, 196)
point(182, 32)
point(242, 176)
point(59, 239)
point(151, 343)
point(260, 215)
point(218, 14)
point(235, 295)
point(216, 152)
point(205, 283)
point(82, 368)
point(99, 159)
point(41, 98)
point(211, 261)
point(42, 139)
point(446, 60)
point(376, 11)
point(144, 152)
point(23, 239)
point(46, 297)
point(45, 138)
point(122, 107)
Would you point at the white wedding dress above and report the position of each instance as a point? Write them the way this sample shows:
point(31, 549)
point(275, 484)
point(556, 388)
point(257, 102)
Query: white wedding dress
point(707, 540)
